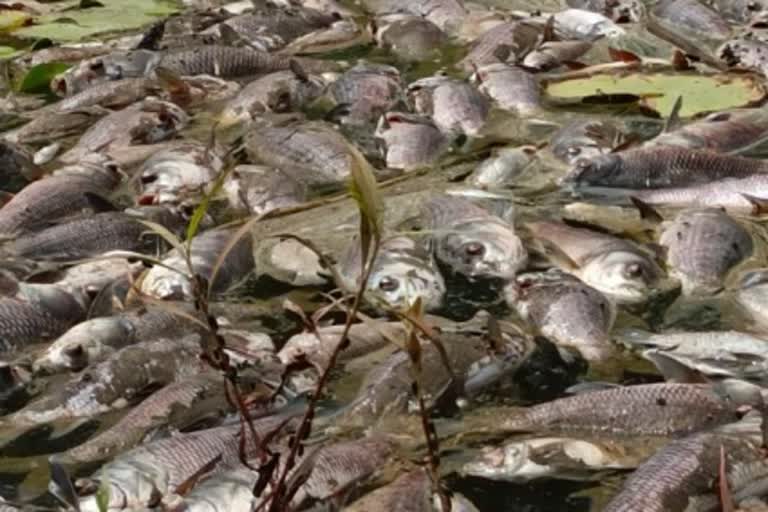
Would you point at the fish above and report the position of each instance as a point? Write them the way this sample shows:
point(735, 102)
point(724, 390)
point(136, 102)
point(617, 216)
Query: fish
point(146, 474)
point(503, 167)
point(552, 54)
point(455, 106)
point(741, 11)
point(511, 88)
point(112, 94)
point(96, 339)
point(503, 43)
point(112, 383)
point(311, 152)
point(471, 241)
point(684, 470)
point(733, 131)
point(258, 189)
point(751, 295)
point(147, 122)
point(365, 92)
point(744, 53)
point(341, 35)
point(410, 141)
point(408, 37)
point(47, 201)
point(622, 270)
point(167, 282)
point(583, 138)
point(662, 167)
point(584, 25)
point(84, 237)
point(703, 245)
point(568, 311)
point(50, 126)
point(18, 168)
point(557, 457)
point(170, 174)
point(410, 492)
point(735, 195)
point(693, 17)
point(402, 273)
point(97, 70)
point(659, 409)
point(279, 91)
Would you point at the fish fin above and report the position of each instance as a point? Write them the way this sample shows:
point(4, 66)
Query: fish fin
point(99, 203)
point(619, 55)
point(673, 121)
point(680, 61)
point(589, 387)
point(573, 65)
point(152, 37)
point(61, 486)
point(9, 285)
point(647, 212)
point(672, 369)
point(759, 205)
point(184, 487)
point(295, 66)
point(581, 224)
point(557, 256)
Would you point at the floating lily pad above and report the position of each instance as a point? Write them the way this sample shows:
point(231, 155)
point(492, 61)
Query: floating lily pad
point(658, 91)
point(8, 51)
point(11, 19)
point(116, 15)
point(38, 78)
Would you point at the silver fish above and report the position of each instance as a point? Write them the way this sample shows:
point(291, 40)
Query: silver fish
point(471, 241)
point(752, 295)
point(703, 246)
point(511, 88)
point(566, 310)
point(402, 273)
point(552, 54)
point(170, 174)
point(410, 141)
point(503, 167)
point(366, 91)
point(409, 37)
point(738, 195)
point(17, 166)
point(584, 25)
point(455, 106)
point(621, 270)
point(503, 43)
point(259, 190)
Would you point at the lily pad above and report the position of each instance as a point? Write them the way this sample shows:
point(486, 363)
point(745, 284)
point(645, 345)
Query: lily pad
point(11, 19)
point(116, 15)
point(8, 51)
point(38, 78)
point(659, 91)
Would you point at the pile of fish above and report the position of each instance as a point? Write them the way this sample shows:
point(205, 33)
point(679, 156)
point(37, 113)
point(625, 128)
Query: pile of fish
point(556, 293)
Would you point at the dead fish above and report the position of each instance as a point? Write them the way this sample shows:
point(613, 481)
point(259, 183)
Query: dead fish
point(660, 409)
point(402, 273)
point(387, 388)
point(553, 54)
point(681, 472)
point(280, 91)
point(566, 310)
point(410, 141)
point(311, 152)
point(703, 246)
point(409, 37)
point(147, 122)
point(154, 412)
point(662, 167)
point(504, 43)
point(34, 313)
point(503, 167)
point(616, 267)
point(173, 173)
point(144, 475)
point(234, 62)
point(471, 241)
point(363, 338)
point(111, 384)
point(692, 17)
point(341, 35)
point(744, 53)
point(511, 88)
point(259, 190)
point(365, 92)
point(584, 138)
point(228, 490)
point(455, 106)
point(96, 339)
point(584, 25)
point(557, 457)
point(411, 492)
point(61, 195)
point(84, 237)
point(741, 11)
point(446, 14)
point(617, 10)
point(17, 166)
point(752, 295)
point(50, 126)
point(171, 281)
point(722, 132)
point(112, 94)
point(103, 68)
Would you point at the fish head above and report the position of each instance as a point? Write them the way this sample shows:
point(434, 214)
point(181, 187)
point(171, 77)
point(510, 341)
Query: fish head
point(593, 171)
point(627, 277)
point(400, 281)
point(482, 248)
point(166, 283)
point(741, 394)
point(509, 462)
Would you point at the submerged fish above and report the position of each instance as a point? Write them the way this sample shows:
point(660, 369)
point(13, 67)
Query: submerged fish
point(471, 241)
point(618, 268)
point(563, 308)
point(703, 246)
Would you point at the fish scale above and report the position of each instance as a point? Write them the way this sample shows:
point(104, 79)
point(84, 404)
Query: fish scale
point(22, 322)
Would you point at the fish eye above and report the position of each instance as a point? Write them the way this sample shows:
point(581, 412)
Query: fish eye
point(573, 150)
point(388, 284)
point(583, 164)
point(474, 249)
point(633, 270)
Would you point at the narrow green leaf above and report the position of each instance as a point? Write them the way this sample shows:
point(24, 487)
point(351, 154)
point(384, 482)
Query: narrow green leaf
point(165, 234)
point(102, 495)
point(38, 78)
point(236, 237)
point(365, 191)
point(202, 208)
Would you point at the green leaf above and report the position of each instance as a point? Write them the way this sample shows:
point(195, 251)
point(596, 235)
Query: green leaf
point(659, 91)
point(38, 78)
point(102, 495)
point(11, 19)
point(202, 208)
point(365, 191)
